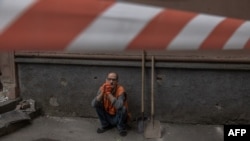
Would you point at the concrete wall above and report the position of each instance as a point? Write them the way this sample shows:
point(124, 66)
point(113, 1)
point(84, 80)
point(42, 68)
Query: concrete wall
point(184, 92)
point(7, 76)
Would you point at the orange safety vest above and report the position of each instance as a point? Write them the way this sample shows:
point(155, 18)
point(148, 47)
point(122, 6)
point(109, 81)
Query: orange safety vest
point(108, 105)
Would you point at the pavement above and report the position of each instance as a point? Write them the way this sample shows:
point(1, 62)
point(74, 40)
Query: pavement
point(47, 128)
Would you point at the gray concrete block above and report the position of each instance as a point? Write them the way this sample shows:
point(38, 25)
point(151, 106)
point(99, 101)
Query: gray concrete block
point(12, 120)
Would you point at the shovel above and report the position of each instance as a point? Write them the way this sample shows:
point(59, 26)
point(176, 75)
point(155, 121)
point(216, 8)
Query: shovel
point(153, 128)
point(141, 120)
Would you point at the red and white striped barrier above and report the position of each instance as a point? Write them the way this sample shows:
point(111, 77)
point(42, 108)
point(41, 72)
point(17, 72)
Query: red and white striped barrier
point(107, 25)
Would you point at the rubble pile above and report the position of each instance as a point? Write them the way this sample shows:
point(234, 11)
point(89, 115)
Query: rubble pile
point(12, 120)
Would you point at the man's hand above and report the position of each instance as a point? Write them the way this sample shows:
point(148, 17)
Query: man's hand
point(107, 88)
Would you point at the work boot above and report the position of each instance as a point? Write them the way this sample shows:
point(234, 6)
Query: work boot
point(103, 129)
point(123, 133)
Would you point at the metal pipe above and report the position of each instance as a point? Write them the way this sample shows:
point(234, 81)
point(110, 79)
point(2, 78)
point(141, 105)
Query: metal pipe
point(129, 63)
point(217, 57)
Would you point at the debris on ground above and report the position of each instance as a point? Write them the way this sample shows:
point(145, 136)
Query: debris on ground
point(13, 120)
point(3, 98)
point(19, 117)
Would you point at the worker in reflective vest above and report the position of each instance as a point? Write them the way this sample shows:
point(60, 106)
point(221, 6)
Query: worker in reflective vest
point(111, 105)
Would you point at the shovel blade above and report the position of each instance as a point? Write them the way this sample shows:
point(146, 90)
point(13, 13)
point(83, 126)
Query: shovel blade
point(153, 129)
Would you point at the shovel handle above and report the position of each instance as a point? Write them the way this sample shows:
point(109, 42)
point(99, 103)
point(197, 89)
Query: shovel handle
point(152, 86)
point(142, 81)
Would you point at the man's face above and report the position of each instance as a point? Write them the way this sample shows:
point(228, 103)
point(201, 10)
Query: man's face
point(112, 79)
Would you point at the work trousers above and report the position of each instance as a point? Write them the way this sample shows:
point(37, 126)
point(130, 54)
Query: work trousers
point(119, 119)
